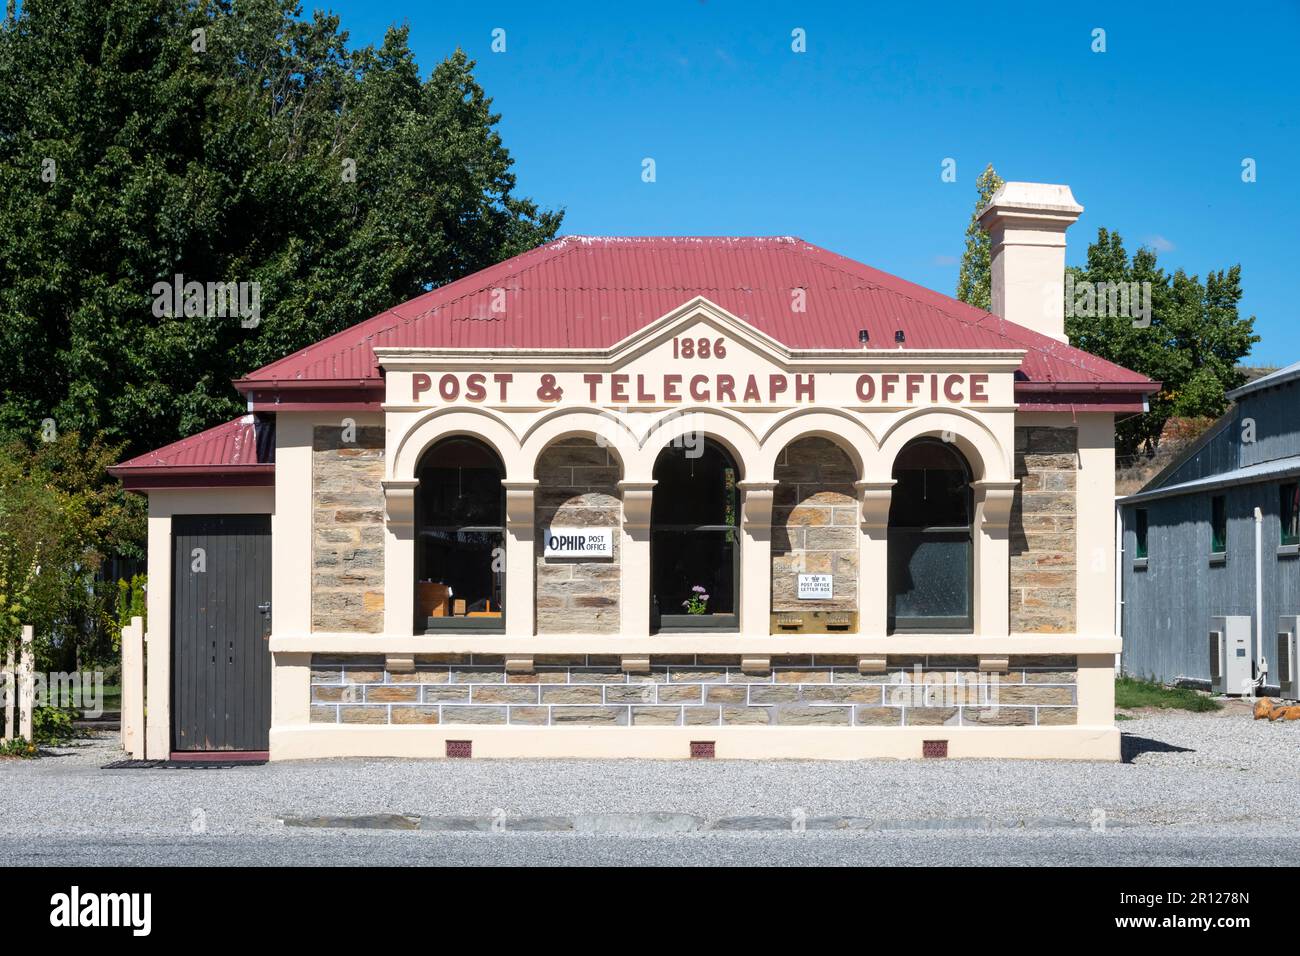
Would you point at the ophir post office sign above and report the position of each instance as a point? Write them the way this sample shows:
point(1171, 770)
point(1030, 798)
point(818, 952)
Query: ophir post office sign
point(579, 543)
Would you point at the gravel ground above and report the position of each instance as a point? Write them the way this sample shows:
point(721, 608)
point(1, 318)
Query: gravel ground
point(1191, 783)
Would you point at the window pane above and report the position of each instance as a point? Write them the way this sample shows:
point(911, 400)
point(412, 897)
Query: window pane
point(931, 489)
point(695, 487)
point(684, 560)
point(462, 563)
point(1218, 525)
point(929, 575)
point(1290, 513)
point(1140, 533)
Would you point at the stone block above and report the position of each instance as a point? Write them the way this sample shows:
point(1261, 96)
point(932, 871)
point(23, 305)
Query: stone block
point(680, 693)
point(363, 715)
point(796, 715)
point(453, 714)
point(403, 714)
point(656, 715)
point(878, 716)
point(773, 694)
point(588, 715)
point(392, 693)
point(572, 694)
point(700, 716)
point(504, 693)
point(529, 715)
point(929, 716)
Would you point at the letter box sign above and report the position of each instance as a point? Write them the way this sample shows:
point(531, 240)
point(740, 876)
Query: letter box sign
point(579, 543)
point(815, 587)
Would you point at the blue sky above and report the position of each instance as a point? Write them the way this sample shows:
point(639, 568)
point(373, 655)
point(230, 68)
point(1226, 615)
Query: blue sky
point(843, 144)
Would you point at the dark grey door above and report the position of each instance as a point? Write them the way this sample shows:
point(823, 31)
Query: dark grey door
point(221, 624)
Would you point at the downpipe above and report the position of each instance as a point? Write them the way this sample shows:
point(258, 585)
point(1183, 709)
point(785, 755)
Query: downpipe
point(1261, 662)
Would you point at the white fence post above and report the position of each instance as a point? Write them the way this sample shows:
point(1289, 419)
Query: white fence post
point(8, 689)
point(133, 688)
point(26, 685)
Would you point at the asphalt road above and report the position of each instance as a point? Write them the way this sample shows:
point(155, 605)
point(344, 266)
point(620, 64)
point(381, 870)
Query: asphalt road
point(1144, 846)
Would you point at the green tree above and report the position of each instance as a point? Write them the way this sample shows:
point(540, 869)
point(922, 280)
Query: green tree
point(60, 516)
point(225, 141)
point(973, 277)
point(1192, 345)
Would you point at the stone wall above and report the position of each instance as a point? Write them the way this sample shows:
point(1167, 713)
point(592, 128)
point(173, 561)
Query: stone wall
point(578, 488)
point(347, 580)
point(696, 690)
point(814, 525)
point(1042, 531)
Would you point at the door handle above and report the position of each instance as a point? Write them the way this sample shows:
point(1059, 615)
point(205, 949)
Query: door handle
point(264, 607)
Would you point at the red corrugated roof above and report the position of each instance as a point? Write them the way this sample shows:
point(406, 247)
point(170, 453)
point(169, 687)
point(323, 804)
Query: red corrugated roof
point(591, 292)
point(240, 452)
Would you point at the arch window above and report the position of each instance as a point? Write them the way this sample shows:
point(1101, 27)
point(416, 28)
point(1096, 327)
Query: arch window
point(460, 538)
point(695, 539)
point(931, 570)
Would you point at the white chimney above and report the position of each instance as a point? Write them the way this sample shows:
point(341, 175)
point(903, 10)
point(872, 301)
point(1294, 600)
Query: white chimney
point(1026, 223)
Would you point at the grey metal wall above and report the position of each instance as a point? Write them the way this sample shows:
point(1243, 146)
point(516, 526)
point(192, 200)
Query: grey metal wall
point(1168, 605)
point(1274, 415)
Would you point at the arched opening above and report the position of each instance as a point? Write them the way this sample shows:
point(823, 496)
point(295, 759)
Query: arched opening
point(931, 569)
point(460, 538)
point(578, 514)
point(695, 539)
point(815, 518)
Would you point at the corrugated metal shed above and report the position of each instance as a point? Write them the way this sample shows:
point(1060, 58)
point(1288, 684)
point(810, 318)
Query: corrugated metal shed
point(592, 292)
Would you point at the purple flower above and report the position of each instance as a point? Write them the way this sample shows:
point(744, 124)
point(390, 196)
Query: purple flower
point(698, 589)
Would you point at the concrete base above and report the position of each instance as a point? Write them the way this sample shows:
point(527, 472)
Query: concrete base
point(673, 743)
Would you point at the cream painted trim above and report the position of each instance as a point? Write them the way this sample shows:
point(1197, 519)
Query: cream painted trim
point(673, 743)
point(703, 643)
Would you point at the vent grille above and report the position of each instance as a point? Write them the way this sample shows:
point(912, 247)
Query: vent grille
point(934, 748)
point(1216, 662)
point(463, 749)
point(702, 749)
point(1285, 666)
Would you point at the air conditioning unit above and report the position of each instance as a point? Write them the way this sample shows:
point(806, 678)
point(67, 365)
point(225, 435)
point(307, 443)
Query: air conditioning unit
point(1230, 663)
point(1284, 664)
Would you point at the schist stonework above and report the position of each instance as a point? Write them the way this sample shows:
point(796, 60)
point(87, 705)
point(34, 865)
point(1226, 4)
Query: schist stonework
point(619, 496)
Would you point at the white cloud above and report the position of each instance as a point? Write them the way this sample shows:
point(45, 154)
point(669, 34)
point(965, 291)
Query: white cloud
point(1160, 243)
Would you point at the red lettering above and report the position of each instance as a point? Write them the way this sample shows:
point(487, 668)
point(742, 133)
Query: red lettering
point(641, 394)
point(474, 387)
point(948, 392)
point(670, 388)
point(726, 388)
point(448, 388)
point(977, 383)
point(752, 393)
point(887, 383)
point(913, 385)
point(697, 393)
point(934, 389)
point(776, 385)
point(420, 383)
point(804, 389)
point(503, 379)
point(866, 388)
point(593, 380)
point(617, 388)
